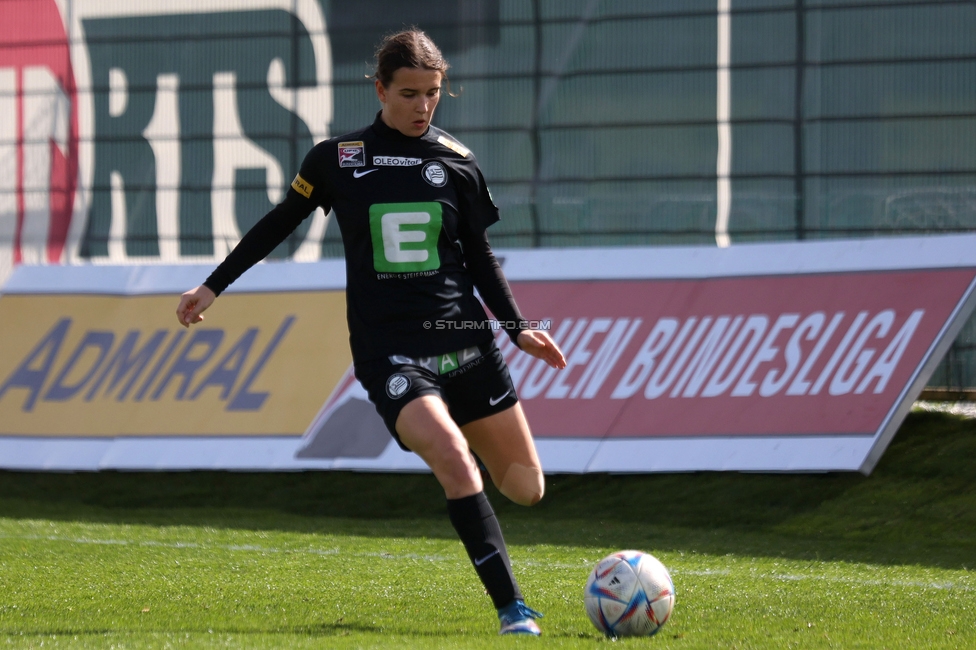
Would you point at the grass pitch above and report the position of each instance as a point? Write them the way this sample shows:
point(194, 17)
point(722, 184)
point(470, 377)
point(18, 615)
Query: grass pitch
point(346, 560)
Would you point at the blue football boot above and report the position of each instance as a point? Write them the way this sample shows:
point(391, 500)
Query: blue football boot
point(518, 618)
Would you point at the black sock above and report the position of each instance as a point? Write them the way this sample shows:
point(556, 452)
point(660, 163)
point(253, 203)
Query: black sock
point(476, 525)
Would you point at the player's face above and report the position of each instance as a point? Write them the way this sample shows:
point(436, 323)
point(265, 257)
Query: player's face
point(410, 99)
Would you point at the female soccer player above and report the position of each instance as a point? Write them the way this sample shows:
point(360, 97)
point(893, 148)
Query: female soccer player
point(413, 209)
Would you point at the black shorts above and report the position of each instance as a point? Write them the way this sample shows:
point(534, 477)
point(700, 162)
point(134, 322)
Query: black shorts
point(474, 383)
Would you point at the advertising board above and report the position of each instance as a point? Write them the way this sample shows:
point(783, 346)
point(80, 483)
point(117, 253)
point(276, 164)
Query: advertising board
point(762, 357)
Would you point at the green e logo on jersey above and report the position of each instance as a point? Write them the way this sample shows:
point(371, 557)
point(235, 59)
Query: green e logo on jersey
point(405, 236)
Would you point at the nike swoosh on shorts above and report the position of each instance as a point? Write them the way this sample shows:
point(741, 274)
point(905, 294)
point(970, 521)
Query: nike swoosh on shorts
point(492, 401)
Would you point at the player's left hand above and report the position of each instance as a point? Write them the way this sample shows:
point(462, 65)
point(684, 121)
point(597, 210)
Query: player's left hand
point(541, 346)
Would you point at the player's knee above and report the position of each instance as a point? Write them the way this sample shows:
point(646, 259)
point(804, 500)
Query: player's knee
point(460, 471)
point(453, 467)
point(523, 485)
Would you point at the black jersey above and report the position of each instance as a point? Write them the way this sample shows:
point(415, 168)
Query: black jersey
point(412, 213)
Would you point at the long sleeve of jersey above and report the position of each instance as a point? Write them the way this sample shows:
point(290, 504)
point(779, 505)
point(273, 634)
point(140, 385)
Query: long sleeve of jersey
point(491, 282)
point(260, 240)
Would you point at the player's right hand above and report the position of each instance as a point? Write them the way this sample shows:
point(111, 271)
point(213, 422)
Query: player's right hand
point(192, 305)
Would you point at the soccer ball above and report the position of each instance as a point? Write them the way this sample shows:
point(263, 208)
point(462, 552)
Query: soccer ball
point(629, 593)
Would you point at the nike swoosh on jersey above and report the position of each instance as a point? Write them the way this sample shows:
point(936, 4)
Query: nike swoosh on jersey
point(484, 559)
point(492, 400)
point(360, 174)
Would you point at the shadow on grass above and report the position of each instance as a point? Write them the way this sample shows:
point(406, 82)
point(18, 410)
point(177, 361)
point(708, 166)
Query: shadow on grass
point(918, 507)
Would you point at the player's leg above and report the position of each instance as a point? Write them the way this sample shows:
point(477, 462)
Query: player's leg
point(484, 403)
point(409, 399)
point(425, 427)
point(503, 442)
point(408, 396)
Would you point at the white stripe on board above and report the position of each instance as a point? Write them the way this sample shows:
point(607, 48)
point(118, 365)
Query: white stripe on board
point(723, 109)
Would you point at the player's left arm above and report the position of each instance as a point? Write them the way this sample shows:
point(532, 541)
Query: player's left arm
point(477, 212)
point(497, 294)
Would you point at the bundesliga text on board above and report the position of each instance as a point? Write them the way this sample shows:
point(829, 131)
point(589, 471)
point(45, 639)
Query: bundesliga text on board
point(715, 356)
point(770, 355)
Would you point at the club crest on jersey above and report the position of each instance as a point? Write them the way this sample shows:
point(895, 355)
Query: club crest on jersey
point(352, 154)
point(397, 385)
point(435, 174)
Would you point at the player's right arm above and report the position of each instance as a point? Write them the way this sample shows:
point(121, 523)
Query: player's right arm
point(299, 202)
point(260, 240)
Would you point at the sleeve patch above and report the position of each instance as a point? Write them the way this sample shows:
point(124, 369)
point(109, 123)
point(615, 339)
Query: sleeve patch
point(302, 186)
point(454, 146)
